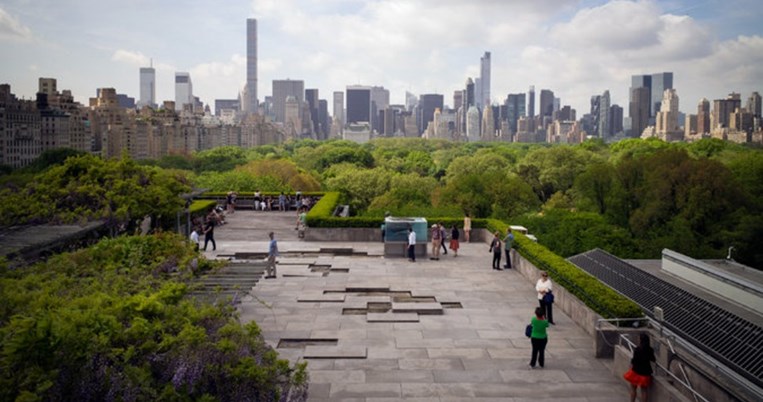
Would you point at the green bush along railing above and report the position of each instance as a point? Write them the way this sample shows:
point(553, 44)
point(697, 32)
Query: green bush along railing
point(596, 295)
point(201, 207)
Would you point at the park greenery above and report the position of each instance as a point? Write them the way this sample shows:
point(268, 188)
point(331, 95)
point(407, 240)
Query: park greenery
point(632, 198)
point(113, 322)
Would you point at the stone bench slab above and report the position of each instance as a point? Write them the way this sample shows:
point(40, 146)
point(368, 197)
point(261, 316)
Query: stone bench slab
point(421, 308)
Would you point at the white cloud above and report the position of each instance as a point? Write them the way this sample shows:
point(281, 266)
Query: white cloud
point(11, 29)
point(138, 59)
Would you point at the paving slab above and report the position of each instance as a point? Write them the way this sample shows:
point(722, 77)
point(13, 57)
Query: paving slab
point(335, 352)
point(321, 297)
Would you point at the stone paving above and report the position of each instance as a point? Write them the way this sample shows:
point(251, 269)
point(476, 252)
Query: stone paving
point(378, 329)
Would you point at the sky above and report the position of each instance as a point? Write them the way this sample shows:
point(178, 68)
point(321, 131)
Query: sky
point(576, 48)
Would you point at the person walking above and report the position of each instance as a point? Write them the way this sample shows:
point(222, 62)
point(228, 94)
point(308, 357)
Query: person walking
point(270, 271)
point(467, 227)
point(412, 245)
point(508, 241)
point(282, 202)
point(544, 288)
point(209, 232)
point(454, 240)
point(495, 248)
point(436, 236)
point(538, 339)
point(640, 373)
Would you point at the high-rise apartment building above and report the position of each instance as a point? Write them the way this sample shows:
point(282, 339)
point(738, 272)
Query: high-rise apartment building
point(722, 110)
point(250, 102)
point(379, 102)
point(358, 104)
point(183, 90)
point(458, 99)
point(667, 117)
point(323, 120)
point(531, 102)
point(47, 86)
point(484, 80)
point(281, 90)
point(147, 87)
point(469, 94)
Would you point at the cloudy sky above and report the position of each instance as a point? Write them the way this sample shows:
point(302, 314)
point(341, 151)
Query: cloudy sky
point(577, 48)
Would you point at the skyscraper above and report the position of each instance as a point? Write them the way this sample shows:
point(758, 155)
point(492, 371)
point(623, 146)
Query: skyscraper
point(531, 102)
point(615, 120)
point(358, 104)
point(604, 123)
point(281, 90)
point(660, 82)
point(638, 110)
point(147, 87)
point(183, 90)
point(667, 117)
point(339, 107)
point(485, 79)
point(379, 102)
point(753, 104)
point(250, 102)
point(703, 117)
point(515, 108)
point(546, 103)
point(312, 99)
point(428, 104)
point(722, 110)
point(469, 95)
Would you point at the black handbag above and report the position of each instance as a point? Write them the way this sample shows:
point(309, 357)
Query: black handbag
point(529, 330)
point(548, 298)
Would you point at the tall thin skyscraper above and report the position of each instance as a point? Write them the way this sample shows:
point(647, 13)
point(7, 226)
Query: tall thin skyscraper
point(485, 79)
point(515, 108)
point(753, 104)
point(250, 102)
point(639, 110)
point(604, 123)
point(147, 87)
point(531, 102)
point(183, 90)
point(313, 102)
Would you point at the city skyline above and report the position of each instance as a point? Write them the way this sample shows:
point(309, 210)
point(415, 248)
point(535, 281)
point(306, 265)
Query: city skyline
point(574, 48)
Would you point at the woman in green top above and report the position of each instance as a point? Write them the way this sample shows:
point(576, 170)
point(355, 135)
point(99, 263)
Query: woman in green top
point(538, 338)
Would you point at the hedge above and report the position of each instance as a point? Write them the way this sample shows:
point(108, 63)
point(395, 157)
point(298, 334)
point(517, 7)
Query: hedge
point(201, 207)
point(596, 295)
point(599, 297)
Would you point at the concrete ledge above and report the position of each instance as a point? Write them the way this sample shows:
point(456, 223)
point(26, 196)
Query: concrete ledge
point(335, 352)
point(343, 234)
point(420, 308)
point(392, 317)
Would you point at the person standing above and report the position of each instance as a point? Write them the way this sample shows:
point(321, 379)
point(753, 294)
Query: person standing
point(467, 227)
point(538, 338)
point(443, 238)
point(270, 271)
point(209, 233)
point(435, 234)
point(495, 247)
point(640, 373)
point(454, 240)
point(508, 241)
point(282, 202)
point(301, 222)
point(195, 238)
point(543, 287)
point(412, 245)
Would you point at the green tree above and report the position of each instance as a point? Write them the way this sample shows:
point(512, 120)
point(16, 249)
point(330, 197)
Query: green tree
point(359, 187)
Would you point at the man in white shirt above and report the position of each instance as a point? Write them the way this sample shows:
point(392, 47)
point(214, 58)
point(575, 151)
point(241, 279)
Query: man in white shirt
point(411, 245)
point(195, 238)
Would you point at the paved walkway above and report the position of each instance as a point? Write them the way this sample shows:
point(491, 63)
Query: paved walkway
point(457, 335)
